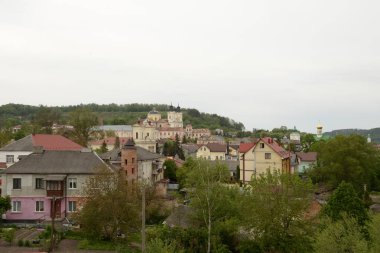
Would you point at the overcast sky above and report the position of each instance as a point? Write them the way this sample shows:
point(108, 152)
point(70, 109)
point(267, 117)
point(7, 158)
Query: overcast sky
point(263, 63)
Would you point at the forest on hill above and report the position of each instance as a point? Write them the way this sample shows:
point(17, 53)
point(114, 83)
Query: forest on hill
point(374, 133)
point(17, 114)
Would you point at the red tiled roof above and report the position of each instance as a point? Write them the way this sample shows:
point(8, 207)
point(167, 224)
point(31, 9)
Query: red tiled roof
point(245, 147)
point(307, 157)
point(109, 141)
point(276, 147)
point(54, 142)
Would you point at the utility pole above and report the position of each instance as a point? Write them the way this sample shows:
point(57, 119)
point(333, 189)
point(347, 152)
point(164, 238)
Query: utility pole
point(52, 226)
point(143, 248)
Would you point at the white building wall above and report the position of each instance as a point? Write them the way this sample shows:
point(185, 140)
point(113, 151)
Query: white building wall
point(16, 154)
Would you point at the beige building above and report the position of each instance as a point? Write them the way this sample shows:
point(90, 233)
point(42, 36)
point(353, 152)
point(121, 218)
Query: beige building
point(145, 136)
point(171, 132)
point(256, 158)
point(122, 131)
point(197, 133)
point(175, 117)
point(212, 151)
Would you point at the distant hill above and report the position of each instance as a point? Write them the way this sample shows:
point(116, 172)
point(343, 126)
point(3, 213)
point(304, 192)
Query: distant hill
point(13, 114)
point(374, 133)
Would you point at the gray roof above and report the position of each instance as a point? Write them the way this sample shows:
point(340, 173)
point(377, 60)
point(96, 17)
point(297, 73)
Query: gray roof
point(190, 148)
point(142, 155)
point(114, 128)
point(24, 144)
point(231, 164)
point(57, 162)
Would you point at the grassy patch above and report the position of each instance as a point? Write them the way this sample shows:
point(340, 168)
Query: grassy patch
point(96, 245)
point(74, 235)
point(375, 193)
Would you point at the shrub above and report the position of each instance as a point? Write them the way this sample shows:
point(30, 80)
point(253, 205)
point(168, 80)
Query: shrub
point(9, 235)
point(27, 243)
point(20, 243)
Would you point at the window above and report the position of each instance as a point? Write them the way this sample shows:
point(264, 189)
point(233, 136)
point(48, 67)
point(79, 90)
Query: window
point(39, 206)
point(221, 157)
point(133, 160)
point(16, 206)
point(209, 157)
point(72, 183)
point(10, 158)
point(16, 183)
point(39, 183)
point(261, 145)
point(268, 155)
point(53, 185)
point(133, 171)
point(137, 136)
point(126, 161)
point(72, 206)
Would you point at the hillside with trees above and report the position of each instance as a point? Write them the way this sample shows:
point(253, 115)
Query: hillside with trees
point(18, 114)
point(374, 133)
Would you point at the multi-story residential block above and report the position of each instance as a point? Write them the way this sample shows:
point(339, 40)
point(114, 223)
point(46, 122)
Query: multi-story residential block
point(15, 151)
point(48, 183)
point(256, 158)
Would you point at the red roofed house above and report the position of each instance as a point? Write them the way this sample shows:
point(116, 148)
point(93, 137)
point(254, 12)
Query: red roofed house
point(15, 151)
point(256, 158)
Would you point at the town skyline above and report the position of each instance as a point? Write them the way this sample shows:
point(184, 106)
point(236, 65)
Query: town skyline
point(264, 64)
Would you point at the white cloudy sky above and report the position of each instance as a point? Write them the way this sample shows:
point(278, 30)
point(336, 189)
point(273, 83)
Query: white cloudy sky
point(264, 63)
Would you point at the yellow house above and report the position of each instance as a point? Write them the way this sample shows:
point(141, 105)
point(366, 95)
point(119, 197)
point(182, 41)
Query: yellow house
point(212, 151)
point(256, 158)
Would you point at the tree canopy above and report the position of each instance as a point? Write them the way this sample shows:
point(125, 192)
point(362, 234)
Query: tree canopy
point(348, 158)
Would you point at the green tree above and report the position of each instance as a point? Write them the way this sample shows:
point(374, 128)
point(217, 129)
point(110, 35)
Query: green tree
point(170, 170)
point(103, 148)
point(111, 206)
point(274, 212)
point(169, 148)
point(345, 201)
point(178, 148)
point(117, 142)
point(340, 237)
point(208, 194)
point(83, 121)
point(350, 159)
point(159, 246)
point(45, 118)
point(307, 141)
point(5, 204)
